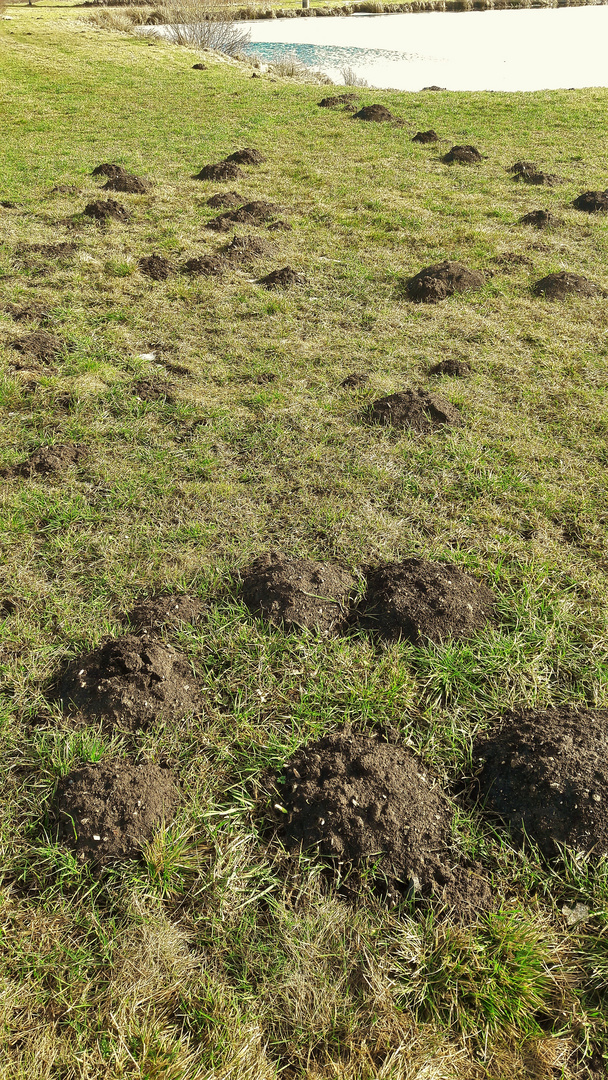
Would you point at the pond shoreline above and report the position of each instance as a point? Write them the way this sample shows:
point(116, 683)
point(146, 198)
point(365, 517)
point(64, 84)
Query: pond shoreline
point(375, 7)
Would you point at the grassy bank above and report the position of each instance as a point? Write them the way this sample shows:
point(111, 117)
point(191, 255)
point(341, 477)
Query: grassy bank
point(219, 954)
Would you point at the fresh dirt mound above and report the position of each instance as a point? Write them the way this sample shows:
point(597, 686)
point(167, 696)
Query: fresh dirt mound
point(47, 459)
point(356, 378)
point(52, 251)
point(247, 156)
point(102, 209)
point(282, 279)
point(415, 409)
point(377, 113)
point(433, 87)
point(222, 170)
point(540, 219)
point(154, 612)
point(155, 266)
point(435, 283)
point(592, 202)
point(429, 136)
point(226, 198)
point(297, 592)
point(209, 265)
point(64, 189)
point(132, 681)
point(559, 286)
point(108, 811)
point(421, 601)
point(249, 247)
point(538, 178)
point(451, 366)
point(109, 170)
point(148, 390)
point(132, 185)
point(546, 773)
point(358, 801)
point(40, 345)
point(523, 167)
point(336, 101)
point(199, 67)
point(34, 311)
point(464, 155)
point(252, 213)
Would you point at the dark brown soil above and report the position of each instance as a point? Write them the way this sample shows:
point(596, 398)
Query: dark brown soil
point(414, 409)
point(279, 226)
point(199, 67)
point(154, 612)
point(433, 87)
point(247, 156)
point(209, 265)
point(102, 209)
point(109, 170)
point(40, 345)
point(359, 801)
point(559, 286)
point(131, 681)
point(451, 366)
point(538, 178)
point(464, 155)
point(226, 198)
point(523, 167)
point(540, 219)
point(8, 204)
point(155, 266)
point(282, 279)
point(429, 136)
point(108, 811)
point(51, 251)
point(128, 183)
point(592, 202)
point(435, 283)
point(34, 311)
point(244, 248)
point(421, 601)
point(336, 101)
point(253, 213)
point(64, 189)
point(48, 459)
point(147, 390)
point(356, 378)
point(297, 592)
point(377, 113)
point(546, 773)
point(222, 170)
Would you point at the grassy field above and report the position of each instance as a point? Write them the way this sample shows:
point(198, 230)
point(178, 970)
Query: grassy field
point(219, 955)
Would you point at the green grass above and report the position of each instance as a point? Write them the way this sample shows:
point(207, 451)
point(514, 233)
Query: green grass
point(218, 954)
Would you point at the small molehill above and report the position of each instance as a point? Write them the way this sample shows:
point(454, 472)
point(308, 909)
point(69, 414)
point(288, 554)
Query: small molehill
point(46, 460)
point(429, 136)
point(199, 67)
point(155, 266)
point(131, 681)
point(149, 390)
point(247, 156)
point(297, 593)
point(208, 265)
point(540, 219)
point(226, 198)
point(559, 286)
point(222, 170)
point(356, 378)
point(244, 248)
point(41, 345)
point(376, 113)
point(437, 282)
point(64, 189)
point(34, 311)
point(51, 251)
point(546, 773)
point(102, 210)
point(357, 800)
point(252, 213)
point(153, 612)
point(109, 170)
point(592, 202)
point(523, 167)
point(463, 155)
point(415, 409)
point(337, 100)
point(451, 366)
point(434, 88)
point(108, 811)
point(282, 279)
point(533, 176)
point(424, 601)
point(131, 185)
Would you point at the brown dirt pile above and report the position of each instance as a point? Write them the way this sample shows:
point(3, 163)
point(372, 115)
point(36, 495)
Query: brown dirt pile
point(540, 219)
point(429, 136)
point(208, 265)
point(356, 378)
point(523, 167)
point(132, 185)
point(451, 366)
point(337, 100)
point(34, 311)
point(537, 178)
point(48, 459)
point(221, 170)
point(297, 593)
point(463, 155)
point(153, 612)
point(155, 266)
point(152, 390)
point(592, 202)
point(247, 156)
point(109, 170)
point(253, 213)
point(282, 279)
point(102, 210)
point(226, 198)
point(436, 282)
point(108, 811)
point(545, 773)
point(421, 601)
point(377, 113)
point(244, 248)
point(41, 345)
point(415, 409)
point(559, 286)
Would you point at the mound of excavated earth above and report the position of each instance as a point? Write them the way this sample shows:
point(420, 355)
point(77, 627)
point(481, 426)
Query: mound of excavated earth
point(247, 156)
point(252, 213)
point(421, 601)
point(436, 282)
point(545, 773)
point(592, 202)
point(415, 409)
point(48, 459)
point(297, 592)
point(156, 611)
point(41, 345)
point(377, 113)
point(521, 167)
point(245, 248)
point(451, 366)
point(102, 209)
point(357, 800)
point(208, 265)
point(108, 811)
point(282, 279)
point(464, 155)
point(221, 170)
point(429, 136)
point(132, 681)
point(559, 286)
point(335, 102)
point(540, 219)
point(155, 266)
point(109, 170)
point(132, 185)
point(226, 198)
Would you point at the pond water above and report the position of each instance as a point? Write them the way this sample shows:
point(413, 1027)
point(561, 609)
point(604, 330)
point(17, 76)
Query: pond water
point(524, 49)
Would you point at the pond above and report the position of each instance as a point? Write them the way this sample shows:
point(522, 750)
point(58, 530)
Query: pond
point(522, 49)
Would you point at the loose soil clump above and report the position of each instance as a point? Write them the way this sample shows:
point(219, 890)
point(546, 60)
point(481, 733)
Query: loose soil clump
point(545, 773)
point(282, 279)
point(253, 213)
point(429, 136)
point(132, 185)
point(538, 178)
point(102, 210)
point(52, 251)
point(377, 113)
point(154, 612)
point(523, 167)
point(357, 800)
point(337, 100)
point(247, 156)
point(415, 409)
point(131, 681)
point(208, 265)
point(226, 198)
point(297, 593)
point(356, 378)
point(199, 67)
point(34, 311)
point(48, 459)
point(109, 170)
point(592, 202)
point(559, 286)
point(464, 155)
point(222, 170)
point(108, 811)
point(155, 266)
point(451, 366)
point(147, 390)
point(425, 601)
point(41, 345)
point(540, 219)
point(437, 282)
point(249, 247)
